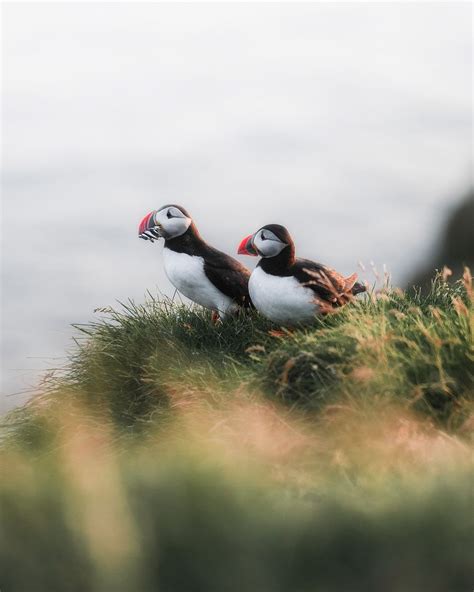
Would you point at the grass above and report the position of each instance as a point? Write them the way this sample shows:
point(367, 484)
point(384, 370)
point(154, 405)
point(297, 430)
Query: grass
point(172, 454)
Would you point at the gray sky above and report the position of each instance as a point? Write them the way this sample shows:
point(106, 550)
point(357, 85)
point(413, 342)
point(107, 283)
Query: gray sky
point(351, 124)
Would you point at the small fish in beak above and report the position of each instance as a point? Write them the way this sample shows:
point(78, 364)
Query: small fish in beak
point(149, 229)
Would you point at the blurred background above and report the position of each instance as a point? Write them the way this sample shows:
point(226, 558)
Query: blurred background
point(351, 124)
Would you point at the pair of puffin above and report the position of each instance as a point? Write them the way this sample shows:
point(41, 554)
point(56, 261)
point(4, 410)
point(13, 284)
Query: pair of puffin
point(285, 289)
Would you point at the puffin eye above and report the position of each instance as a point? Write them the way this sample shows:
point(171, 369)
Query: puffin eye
point(169, 214)
point(263, 237)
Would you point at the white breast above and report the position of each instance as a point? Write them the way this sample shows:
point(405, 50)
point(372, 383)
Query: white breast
point(186, 273)
point(281, 299)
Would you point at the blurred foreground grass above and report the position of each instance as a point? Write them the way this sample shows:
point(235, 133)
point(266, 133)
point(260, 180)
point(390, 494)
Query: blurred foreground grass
point(174, 455)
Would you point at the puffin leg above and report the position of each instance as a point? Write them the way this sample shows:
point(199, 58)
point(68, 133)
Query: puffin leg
point(215, 318)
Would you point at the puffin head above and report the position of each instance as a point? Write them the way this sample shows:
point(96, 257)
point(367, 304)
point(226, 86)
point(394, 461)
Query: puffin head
point(268, 241)
point(168, 222)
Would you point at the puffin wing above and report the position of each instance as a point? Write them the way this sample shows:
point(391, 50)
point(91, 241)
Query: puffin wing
point(331, 289)
point(228, 275)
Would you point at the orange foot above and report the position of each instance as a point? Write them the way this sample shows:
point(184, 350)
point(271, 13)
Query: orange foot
point(215, 317)
point(280, 333)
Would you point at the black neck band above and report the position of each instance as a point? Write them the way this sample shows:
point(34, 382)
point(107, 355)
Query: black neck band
point(281, 263)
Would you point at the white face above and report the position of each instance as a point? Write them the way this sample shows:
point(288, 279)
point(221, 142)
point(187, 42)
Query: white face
point(267, 243)
point(171, 222)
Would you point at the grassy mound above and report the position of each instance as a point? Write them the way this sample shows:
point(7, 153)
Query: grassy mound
point(172, 454)
point(391, 347)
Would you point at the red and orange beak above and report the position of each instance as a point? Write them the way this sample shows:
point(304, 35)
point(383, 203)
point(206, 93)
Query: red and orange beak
point(149, 229)
point(246, 247)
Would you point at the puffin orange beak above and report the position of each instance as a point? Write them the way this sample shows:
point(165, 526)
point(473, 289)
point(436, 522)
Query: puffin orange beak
point(246, 246)
point(149, 229)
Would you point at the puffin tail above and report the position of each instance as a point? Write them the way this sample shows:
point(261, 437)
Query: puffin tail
point(353, 286)
point(358, 288)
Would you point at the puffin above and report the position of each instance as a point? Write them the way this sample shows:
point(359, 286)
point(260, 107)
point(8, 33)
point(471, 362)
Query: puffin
point(289, 290)
point(200, 272)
